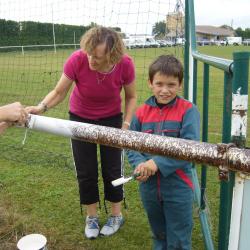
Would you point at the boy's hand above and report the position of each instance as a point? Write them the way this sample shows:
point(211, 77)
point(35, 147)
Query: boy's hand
point(146, 169)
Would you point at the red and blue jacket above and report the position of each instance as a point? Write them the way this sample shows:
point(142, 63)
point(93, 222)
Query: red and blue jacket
point(179, 118)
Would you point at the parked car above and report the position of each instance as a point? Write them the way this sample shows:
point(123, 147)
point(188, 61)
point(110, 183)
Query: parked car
point(204, 42)
point(162, 43)
point(129, 44)
point(170, 43)
point(246, 42)
point(152, 43)
point(232, 40)
point(180, 41)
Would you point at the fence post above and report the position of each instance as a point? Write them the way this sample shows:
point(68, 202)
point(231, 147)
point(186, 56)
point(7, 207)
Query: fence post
point(224, 212)
point(186, 54)
point(238, 136)
point(239, 229)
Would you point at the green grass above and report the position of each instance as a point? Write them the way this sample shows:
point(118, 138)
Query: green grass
point(38, 188)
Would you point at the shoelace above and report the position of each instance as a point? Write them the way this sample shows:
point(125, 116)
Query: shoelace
point(113, 220)
point(93, 223)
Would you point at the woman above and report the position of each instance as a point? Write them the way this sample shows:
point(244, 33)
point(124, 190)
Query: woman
point(99, 70)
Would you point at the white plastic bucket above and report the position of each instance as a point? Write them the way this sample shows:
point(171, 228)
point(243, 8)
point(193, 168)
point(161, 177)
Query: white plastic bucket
point(32, 242)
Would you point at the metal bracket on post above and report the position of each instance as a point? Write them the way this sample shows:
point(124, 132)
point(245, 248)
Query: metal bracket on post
point(222, 154)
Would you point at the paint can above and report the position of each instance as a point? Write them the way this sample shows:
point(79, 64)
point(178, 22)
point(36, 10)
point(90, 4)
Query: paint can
point(32, 242)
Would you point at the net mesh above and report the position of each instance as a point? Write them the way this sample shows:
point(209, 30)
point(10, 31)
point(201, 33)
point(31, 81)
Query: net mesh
point(38, 36)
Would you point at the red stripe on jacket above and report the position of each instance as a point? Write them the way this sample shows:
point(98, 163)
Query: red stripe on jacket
point(185, 178)
point(174, 112)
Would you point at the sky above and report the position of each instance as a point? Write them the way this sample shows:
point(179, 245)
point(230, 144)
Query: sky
point(133, 16)
point(235, 13)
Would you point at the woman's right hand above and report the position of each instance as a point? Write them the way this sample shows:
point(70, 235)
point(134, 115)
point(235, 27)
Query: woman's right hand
point(36, 110)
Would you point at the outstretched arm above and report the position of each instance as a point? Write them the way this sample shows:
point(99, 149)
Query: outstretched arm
point(10, 113)
point(130, 104)
point(56, 96)
point(13, 112)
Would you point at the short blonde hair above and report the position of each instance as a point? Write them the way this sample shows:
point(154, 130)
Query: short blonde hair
point(98, 35)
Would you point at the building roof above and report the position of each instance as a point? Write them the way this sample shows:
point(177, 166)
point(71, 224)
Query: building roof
point(212, 30)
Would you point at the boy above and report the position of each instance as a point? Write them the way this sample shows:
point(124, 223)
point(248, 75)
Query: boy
point(165, 184)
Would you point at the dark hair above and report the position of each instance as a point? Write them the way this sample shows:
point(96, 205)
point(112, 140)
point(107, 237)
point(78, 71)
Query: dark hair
point(166, 65)
point(98, 35)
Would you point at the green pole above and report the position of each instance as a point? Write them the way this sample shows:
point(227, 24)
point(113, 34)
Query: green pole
point(204, 130)
point(232, 102)
point(239, 88)
point(225, 187)
point(186, 52)
point(197, 192)
point(195, 82)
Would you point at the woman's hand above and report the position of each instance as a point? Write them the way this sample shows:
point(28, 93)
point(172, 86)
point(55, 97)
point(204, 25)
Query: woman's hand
point(36, 110)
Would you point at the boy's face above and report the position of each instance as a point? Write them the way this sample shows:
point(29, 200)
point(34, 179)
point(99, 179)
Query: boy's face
point(164, 87)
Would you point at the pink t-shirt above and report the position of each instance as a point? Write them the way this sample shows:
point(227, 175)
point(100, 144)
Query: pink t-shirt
point(97, 95)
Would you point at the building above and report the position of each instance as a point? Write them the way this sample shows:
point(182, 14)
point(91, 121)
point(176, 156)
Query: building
point(212, 33)
point(174, 25)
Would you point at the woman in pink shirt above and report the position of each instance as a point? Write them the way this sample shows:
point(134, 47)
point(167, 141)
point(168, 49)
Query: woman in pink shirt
point(100, 70)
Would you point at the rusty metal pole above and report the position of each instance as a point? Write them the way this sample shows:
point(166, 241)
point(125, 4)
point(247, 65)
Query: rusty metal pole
point(199, 152)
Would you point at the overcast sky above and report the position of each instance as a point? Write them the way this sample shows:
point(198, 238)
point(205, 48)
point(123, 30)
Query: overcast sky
point(133, 16)
point(219, 12)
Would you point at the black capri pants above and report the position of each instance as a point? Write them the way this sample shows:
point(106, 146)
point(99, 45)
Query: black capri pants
point(86, 163)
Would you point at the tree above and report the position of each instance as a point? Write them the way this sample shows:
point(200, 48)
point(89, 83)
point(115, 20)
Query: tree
point(239, 32)
point(245, 34)
point(159, 29)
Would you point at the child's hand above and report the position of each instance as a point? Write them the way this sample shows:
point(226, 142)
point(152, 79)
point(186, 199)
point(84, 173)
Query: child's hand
point(3, 126)
point(145, 170)
point(13, 112)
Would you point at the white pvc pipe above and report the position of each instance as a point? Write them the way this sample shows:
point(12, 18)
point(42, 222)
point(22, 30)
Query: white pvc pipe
point(51, 125)
point(236, 213)
point(200, 152)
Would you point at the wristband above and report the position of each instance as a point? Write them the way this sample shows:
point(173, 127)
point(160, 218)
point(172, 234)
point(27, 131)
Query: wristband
point(44, 106)
point(127, 123)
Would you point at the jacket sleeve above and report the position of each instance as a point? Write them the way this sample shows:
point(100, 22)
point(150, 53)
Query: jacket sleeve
point(190, 130)
point(135, 157)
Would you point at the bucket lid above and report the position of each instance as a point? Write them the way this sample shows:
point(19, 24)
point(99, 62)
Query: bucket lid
point(32, 242)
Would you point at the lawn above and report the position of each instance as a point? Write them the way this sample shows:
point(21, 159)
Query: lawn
point(38, 189)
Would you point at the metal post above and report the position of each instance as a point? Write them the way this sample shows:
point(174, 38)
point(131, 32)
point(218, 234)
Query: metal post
point(186, 54)
point(239, 231)
point(53, 29)
point(75, 39)
point(202, 212)
point(225, 186)
point(204, 130)
point(195, 81)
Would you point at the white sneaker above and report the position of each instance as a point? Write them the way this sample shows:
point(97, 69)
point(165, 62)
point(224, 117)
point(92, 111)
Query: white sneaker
point(112, 226)
point(92, 227)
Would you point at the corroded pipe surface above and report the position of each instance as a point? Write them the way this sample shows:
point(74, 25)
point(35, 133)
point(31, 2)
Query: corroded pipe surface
point(199, 152)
